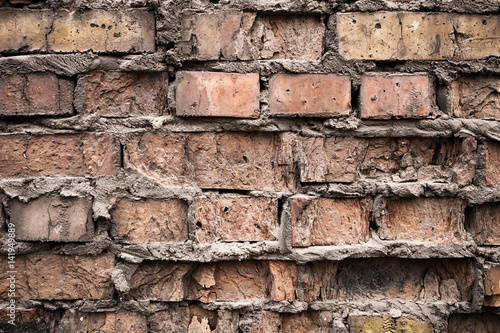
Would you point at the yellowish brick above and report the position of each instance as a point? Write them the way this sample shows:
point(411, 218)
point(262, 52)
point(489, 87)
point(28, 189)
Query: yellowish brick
point(381, 324)
point(103, 31)
point(24, 30)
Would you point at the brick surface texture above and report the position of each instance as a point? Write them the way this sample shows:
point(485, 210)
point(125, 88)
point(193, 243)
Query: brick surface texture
point(249, 166)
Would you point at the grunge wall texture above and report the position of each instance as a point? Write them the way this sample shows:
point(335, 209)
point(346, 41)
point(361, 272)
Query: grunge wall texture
point(251, 166)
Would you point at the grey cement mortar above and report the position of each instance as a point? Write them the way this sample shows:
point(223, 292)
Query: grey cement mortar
point(73, 66)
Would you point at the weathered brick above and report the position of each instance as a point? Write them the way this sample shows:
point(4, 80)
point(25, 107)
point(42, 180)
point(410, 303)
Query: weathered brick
point(358, 279)
point(492, 172)
point(404, 324)
point(209, 282)
point(308, 321)
point(314, 95)
point(102, 31)
point(83, 322)
point(247, 161)
point(150, 220)
point(53, 219)
point(24, 30)
point(122, 94)
point(346, 159)
point(420, 36)
point(475, 322)
point(484, 225)
point(327, 221)
point(60, 277)
point(217, 94)
point(187, 319)
point(492, 284)
point(36, 94)
point(387, 95)
point(262, 322)
point(79, 155)
point(236, 218)
point(476, 97)
point(28, 320)
point(424, 219)
point(235, 35)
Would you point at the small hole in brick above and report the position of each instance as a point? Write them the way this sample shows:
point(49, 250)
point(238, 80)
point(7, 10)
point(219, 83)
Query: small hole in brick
point(353, 21)
point(198, 224)
point(485, 22)
point(225, 209)
point(378, 26)
point(245, 159)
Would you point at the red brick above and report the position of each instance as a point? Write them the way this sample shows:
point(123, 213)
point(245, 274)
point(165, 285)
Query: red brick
point(232, 35)
point(424, 219)
point(183, 319)
point(247, 161)
point(83, 322)
point(283, 280)
point(485, 224)
point(60, 277)
point(492, 285)
point(473, 322)
point(326, 221)
point(37, 94)
point(308, 321)
point(122, 31)
point(78, 155)
point(492, 171)
point(150, 220)
point(217, 94)
point(123, 94)
point(236, 218)
point(346, 159)
point(314, 95)
point(374, 279)
point(476, 97)
point(418, 36)
point(387, 95)
point(53, 219)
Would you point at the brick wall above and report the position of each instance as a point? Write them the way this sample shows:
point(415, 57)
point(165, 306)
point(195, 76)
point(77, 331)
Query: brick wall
point(250, 166)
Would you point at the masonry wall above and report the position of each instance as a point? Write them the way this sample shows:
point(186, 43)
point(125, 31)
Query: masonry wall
point(250, 166)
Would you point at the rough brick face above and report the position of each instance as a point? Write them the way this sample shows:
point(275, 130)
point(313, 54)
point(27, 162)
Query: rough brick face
point(217, 94)
point(424, 219)
point(385, 95)
point(402, 324)
point(492, 173)
point(246, 161)
point(305, 322)
point(477, 323)
point(28, 320)
point(443, 279)
point(184, 319)
point(492, 285)
point(247, 36)
point(85, 155)
point(476, 97)
point(150, 220)
point(326, 221)
point(24, 30)
point(122, 94)
point(53, 219)
point(58, 277)
point(485, 224)
point(314, 95)
point(420, 36)
point(82, 322)
point(236, 218)
point(346, 159)
point(37, 94)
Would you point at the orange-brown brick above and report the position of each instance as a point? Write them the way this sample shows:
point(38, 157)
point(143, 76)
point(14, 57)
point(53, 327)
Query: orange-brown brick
point(60, 277)
point(492, 170)
point(236, 218)
point(307, 321)
point(346, 159)
point(27, 320)
point(314, 95)
point(232, 35)
point(473, 322)
point(36, 94)
point(53, 219)
point(492, 285)
point(79, 155)
point(386, 95)
point(419, 36)
point(476, 97)
point(184, 319)
point(80, 322)
point(122, 94)
point(424, 219)
point(217, 94)
point(328, 221)
point(485, 224)
point(150, 220)
point(246, 161)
